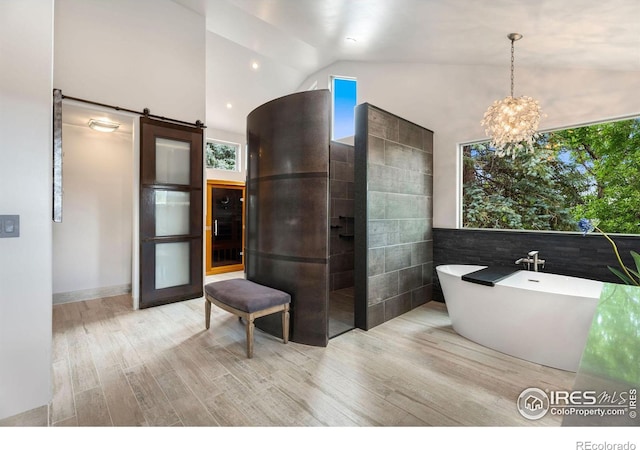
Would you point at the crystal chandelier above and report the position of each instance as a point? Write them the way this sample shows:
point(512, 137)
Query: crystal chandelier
point(512, 123)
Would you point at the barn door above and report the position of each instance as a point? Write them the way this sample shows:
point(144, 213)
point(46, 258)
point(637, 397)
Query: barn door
point(171, 217)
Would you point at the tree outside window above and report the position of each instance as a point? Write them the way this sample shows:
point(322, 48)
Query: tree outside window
point(223, 155)
point(591, 171)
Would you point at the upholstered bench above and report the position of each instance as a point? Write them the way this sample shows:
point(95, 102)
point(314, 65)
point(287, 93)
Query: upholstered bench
point(247, 300)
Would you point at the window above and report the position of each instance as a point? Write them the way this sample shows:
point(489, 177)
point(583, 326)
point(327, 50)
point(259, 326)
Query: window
point(590, 171)
point(223, 155)
point(344, 101)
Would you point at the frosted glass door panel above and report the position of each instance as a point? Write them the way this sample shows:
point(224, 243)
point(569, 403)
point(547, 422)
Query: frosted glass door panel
point(172, 213)
point(171, 219)
point(172, 161)
point(172, 264)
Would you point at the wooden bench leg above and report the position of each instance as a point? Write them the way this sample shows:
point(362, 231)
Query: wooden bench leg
point(285, 324)
point(207, 313)
point(250, 327)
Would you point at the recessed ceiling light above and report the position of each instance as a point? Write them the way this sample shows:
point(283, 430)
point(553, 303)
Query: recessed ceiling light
point(350, 39)
point(229, 106)
point(255, 65)
point(104, 125)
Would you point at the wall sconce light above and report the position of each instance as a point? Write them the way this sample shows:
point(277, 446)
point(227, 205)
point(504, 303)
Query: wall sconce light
point(104, 125)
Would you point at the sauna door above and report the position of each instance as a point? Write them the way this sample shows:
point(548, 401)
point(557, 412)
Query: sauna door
point(225, 227)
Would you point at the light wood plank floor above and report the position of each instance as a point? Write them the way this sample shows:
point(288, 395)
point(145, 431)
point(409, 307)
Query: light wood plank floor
point(159, 367)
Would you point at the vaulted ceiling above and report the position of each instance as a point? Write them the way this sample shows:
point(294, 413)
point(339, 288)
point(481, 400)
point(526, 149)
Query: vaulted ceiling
point(291, 39)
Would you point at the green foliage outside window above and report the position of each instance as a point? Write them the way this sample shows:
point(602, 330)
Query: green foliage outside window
point(223, 156)
point(611, 351)
point(591, 171)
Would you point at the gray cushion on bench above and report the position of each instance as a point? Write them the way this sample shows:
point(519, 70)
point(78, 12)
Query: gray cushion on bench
point(246, 295)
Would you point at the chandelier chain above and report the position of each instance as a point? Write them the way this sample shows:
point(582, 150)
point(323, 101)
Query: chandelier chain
point(512, 62)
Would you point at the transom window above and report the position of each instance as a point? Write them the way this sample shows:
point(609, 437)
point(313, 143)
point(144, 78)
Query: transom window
point(223, 155)
point(344, 93)
point(589, 171)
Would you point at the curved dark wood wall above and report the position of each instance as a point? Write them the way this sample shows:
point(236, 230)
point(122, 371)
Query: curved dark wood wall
point(287, 231)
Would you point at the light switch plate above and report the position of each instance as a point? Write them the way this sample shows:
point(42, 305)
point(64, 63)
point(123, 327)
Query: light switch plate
point(9, 226)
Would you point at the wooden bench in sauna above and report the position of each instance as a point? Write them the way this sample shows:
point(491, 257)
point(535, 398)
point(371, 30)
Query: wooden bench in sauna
point(247, 300)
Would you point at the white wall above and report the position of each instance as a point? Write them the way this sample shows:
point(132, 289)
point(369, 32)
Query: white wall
point(133, 54)
point(92, 245)
point(273, 79)
point(26, 50)
point(451, 100)
point(228, 136)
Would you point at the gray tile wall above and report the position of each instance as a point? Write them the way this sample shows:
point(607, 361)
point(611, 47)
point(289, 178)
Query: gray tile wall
point(564, 253)
point(341, 261)
point(397, 187)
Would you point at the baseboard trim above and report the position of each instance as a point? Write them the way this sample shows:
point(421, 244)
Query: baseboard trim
point(90, 294)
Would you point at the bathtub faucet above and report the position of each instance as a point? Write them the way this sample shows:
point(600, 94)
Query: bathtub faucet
point(532, 258)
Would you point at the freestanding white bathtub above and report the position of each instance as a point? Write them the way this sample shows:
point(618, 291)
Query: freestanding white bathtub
point(536, 316)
